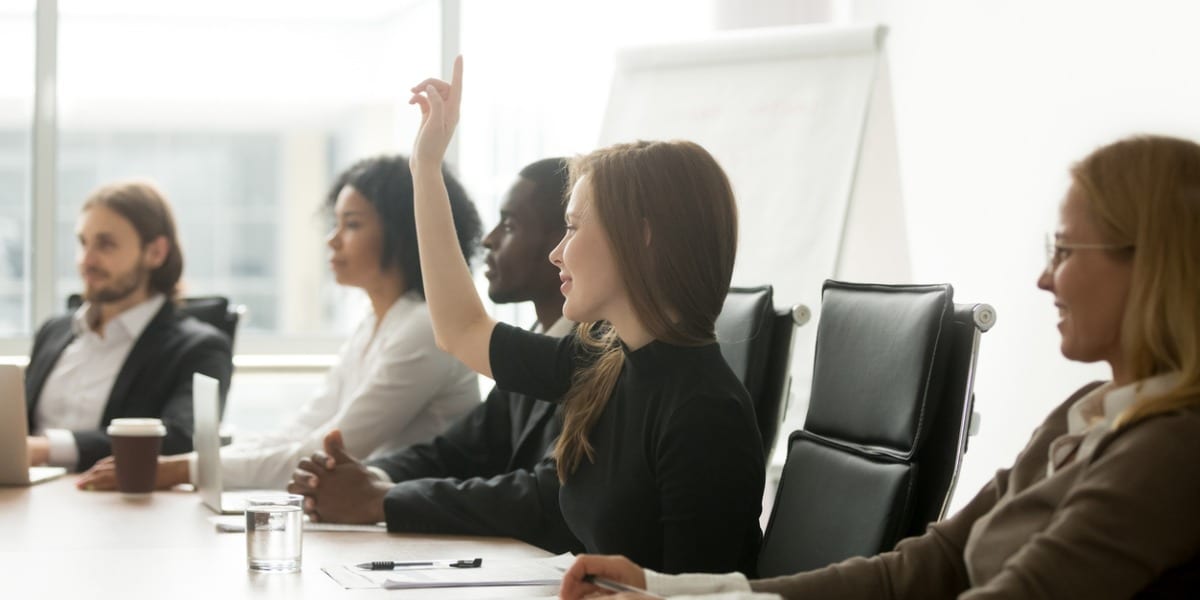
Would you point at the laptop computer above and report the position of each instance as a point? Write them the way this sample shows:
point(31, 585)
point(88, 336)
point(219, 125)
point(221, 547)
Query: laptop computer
point(14, 431)
point(206, 440)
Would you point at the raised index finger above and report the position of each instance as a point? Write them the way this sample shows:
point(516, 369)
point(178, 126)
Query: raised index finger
point(456, 81)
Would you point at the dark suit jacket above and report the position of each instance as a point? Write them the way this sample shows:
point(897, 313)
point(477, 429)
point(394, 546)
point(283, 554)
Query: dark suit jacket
point(489, 474)
point(155, 381)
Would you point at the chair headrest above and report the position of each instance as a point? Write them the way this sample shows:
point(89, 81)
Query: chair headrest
point(744, 320)
point(880, 362)
point(210, 309)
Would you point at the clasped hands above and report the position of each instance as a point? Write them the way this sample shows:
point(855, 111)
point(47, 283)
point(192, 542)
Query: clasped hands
point(337, 487)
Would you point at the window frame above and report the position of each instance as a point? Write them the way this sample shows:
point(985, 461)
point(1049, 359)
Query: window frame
point(253, 350)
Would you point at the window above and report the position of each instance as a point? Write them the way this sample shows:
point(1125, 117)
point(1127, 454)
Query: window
point(16, 152)
point(242, 113)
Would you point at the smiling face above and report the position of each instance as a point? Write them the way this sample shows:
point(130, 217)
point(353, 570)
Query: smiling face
point(1090, 287)
point(356, 241)
point(517, 270)
point(111, 258)
point(591, 282)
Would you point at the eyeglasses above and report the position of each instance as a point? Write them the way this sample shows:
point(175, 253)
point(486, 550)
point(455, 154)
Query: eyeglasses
point(1058, 251)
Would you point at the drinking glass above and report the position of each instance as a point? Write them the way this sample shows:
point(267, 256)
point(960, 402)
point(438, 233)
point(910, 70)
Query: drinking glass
point(274, 524)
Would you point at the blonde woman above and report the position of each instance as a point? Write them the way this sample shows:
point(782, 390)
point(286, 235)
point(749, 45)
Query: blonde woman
point(1104, 502)
point(659, 456)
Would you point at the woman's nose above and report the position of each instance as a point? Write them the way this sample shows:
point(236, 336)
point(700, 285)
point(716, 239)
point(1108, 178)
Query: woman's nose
point(1045, 281)
point(557, 252)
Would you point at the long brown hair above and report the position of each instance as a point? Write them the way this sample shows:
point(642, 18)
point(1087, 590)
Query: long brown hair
point(148, 211)
point(677, 286)
point(1144, 192)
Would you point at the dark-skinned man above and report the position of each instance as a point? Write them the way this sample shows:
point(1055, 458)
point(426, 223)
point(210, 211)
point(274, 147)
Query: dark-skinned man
point(490, 473)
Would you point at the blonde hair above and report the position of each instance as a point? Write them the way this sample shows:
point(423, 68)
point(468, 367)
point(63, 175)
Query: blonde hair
point(679, 192)
point(1144, 192)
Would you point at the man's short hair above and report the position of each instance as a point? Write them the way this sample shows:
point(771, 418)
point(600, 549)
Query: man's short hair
point(551, 180)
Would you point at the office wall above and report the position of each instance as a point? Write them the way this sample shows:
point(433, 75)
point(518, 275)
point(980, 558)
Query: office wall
point(993, 101)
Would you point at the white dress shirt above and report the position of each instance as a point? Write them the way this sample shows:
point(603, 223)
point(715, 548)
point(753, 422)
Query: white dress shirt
point(77, 389)
point(390, 388)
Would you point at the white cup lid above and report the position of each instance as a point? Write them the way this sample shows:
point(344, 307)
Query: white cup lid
point(137, 427)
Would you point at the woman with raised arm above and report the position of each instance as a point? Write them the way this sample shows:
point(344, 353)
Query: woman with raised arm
point(660, 456)
point(1103, 501)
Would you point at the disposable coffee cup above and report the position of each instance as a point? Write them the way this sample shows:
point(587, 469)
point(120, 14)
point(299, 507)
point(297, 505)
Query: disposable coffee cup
point(136, 444)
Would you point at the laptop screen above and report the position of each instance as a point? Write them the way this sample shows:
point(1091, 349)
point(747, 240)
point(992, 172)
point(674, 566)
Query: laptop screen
point(206, 438)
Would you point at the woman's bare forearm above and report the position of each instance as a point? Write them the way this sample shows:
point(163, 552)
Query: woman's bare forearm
point(461, 326)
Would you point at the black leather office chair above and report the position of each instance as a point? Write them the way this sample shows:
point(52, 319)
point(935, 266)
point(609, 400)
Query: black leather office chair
point(756, 341)
point(214, 310)
point(887, 424)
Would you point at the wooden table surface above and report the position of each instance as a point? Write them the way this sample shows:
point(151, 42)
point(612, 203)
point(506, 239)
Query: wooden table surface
point(58, 542)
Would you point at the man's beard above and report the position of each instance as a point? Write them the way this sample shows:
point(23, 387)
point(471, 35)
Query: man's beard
point(122, 286)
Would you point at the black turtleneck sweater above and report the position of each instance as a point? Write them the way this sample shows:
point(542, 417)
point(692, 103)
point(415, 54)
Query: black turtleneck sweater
point(677, 480)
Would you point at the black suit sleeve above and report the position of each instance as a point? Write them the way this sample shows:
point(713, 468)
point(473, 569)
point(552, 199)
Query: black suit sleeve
point(521, 504)
point(478, 444)
point(196, 350)
point(47, 345)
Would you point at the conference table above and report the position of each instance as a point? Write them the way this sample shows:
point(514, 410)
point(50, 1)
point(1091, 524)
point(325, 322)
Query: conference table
point(59, 542)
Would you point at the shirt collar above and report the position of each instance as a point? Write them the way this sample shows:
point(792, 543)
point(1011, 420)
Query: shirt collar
point(131, 322)
point(397, 311)
point(1102, 406)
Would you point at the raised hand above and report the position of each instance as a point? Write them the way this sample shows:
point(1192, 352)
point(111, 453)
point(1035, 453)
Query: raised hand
point(440, 103)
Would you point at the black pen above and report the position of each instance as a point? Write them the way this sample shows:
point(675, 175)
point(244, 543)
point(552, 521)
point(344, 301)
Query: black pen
point(388, 565)
point(616, 586)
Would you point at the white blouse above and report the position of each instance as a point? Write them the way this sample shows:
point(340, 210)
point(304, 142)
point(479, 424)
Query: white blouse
point(1093, 415)
point(390, 389)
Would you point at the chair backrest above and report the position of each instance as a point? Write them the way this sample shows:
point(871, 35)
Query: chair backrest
point(756, 341)
point(940, 456)
point(214, 310)
point(886, 425)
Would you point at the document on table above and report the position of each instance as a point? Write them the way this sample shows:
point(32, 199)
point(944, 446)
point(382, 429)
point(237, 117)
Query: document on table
point(237, 524)
point(492, 573)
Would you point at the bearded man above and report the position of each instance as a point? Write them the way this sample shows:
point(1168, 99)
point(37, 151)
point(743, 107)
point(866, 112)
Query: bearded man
point(127, 351)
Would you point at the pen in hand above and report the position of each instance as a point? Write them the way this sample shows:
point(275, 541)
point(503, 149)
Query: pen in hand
point(616, 586)
point(388, 565)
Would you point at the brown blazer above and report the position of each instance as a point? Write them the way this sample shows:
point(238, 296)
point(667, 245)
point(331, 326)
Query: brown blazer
point(1123, 523)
